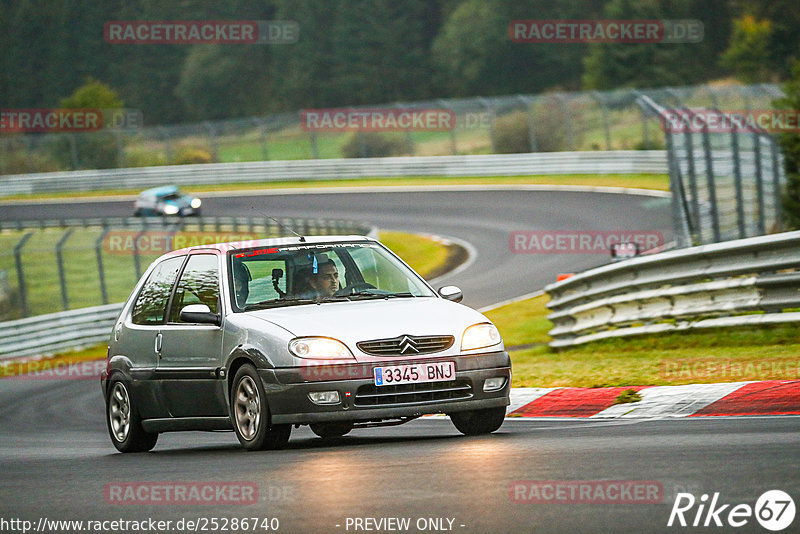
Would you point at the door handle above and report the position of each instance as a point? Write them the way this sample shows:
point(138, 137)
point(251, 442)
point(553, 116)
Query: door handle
point(157, 347)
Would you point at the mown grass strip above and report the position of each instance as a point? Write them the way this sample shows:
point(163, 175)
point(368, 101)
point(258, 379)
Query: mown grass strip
point(688, 357)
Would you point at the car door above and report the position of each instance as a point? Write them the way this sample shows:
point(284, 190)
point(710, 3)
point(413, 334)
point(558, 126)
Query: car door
point(190, 359)
point(141, 338)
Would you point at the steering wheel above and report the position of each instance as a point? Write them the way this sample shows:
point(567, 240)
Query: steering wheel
point(354, 288)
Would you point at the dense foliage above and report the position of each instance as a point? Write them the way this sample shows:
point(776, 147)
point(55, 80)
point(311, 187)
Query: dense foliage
point(353, 52)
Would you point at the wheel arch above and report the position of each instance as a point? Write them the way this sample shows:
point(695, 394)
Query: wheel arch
point(243, 355)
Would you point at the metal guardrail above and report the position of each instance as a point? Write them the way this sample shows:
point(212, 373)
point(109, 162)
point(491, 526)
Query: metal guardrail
point(274, 227)
point(735, 283)
point(47, 334)
point(612, 162)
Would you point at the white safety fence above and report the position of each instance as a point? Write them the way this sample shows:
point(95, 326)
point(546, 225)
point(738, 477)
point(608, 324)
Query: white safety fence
point(537, 163)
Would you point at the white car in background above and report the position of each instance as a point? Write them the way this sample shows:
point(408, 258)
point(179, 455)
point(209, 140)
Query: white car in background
point(166, 200)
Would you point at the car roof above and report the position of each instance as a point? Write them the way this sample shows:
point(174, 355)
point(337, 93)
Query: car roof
point(273, 242)
point(161, 191)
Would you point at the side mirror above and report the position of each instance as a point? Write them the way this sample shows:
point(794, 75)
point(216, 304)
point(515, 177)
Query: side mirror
point(452, 293)
point(200, 313)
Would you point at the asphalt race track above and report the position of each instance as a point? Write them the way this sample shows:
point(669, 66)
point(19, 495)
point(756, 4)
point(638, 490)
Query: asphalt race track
point(57, 461)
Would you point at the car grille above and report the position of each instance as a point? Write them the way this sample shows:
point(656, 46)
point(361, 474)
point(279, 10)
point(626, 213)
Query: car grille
point(406, 345)
point(371, 395)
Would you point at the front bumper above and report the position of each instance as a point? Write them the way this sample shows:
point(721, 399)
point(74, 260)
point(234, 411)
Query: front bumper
point(360, 400)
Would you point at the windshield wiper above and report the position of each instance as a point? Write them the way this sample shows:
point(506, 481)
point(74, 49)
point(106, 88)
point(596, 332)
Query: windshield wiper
point(276, 303)
point(364, 295)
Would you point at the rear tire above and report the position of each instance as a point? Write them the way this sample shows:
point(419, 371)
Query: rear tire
point(250, 414)
point(474, 422)
point(124, 423)
point(330, 430)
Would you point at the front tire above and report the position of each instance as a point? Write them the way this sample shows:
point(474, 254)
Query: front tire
point(250, 414)
point(475, 422)
point(124, 423)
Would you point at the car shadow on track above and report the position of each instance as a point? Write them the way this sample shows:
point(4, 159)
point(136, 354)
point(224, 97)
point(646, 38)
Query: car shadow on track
point(302, 443)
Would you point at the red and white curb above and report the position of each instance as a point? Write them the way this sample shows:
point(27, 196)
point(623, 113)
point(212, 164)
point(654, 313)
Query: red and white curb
point(774, 397)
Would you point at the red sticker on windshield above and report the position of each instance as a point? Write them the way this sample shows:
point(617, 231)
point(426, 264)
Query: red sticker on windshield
point(257, 252)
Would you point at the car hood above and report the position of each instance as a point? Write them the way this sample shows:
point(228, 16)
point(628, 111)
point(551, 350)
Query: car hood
point(351, 322)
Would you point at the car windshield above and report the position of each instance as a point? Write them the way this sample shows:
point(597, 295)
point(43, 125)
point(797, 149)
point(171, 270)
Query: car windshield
point(269, 277)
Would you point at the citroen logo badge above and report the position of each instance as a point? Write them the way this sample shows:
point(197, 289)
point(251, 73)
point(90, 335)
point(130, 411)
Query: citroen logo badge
point(408, 345)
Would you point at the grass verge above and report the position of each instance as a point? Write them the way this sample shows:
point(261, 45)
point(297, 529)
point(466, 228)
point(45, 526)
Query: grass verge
point(423, 254)
point(701, 357)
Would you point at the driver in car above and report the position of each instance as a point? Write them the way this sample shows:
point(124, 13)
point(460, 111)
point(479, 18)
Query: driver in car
point(325, 282)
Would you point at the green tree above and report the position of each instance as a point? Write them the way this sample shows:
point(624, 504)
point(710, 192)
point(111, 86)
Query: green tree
point(93, 94)
point(96, 150)
point(748, 55)
point(475, 55)
point(223, 81)
point(301, 72)
point(784, 20)
point(610, 65)
point(380, 52)
point(790, 143)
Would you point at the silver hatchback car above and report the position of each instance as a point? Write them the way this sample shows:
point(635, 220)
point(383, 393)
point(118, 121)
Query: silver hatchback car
point(333, 332)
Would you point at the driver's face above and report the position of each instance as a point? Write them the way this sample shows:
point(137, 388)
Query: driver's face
point(326, 282)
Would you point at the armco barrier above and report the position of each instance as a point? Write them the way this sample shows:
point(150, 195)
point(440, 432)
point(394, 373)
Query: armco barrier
point(611, 162)
point(735, 283)
point(56, 332)
point(266, 225)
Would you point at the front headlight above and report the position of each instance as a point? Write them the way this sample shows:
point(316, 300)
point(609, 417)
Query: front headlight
point(319, 348)
point(169, 209)
point(196, 203)
point(479, 336)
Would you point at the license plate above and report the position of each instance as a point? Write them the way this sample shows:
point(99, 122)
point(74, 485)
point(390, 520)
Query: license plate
point(415, 373)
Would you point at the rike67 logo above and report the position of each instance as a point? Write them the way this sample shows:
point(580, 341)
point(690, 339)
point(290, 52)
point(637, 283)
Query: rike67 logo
point(774, 510)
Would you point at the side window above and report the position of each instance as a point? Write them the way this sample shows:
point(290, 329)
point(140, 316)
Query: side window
point(199, 284)
point(151, 303)
point(261, 287)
